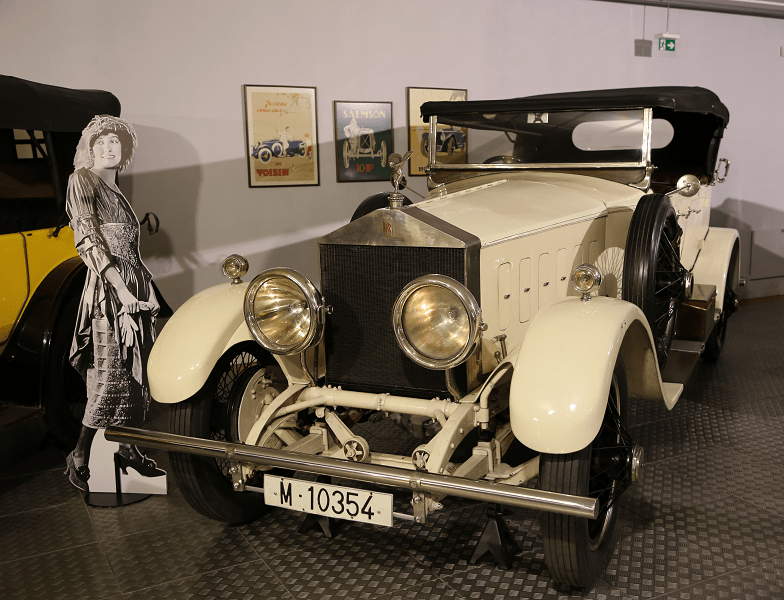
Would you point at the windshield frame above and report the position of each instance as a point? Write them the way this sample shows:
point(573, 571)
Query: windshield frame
point(433, 166)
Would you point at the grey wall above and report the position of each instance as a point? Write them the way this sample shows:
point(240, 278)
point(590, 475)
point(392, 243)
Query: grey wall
point(178, 68)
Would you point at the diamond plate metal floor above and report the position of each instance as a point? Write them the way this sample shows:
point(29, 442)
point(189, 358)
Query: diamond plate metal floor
point(706, 522)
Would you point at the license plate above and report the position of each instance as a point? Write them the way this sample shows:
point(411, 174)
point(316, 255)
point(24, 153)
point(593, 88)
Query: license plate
point(329, 500)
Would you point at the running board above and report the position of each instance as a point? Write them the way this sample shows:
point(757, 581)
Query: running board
point(422, 481)
point(681, 360)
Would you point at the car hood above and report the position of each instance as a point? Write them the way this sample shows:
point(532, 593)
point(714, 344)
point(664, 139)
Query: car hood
point(499, 207)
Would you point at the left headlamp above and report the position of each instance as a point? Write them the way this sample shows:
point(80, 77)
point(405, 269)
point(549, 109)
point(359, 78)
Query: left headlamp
point(284, 311)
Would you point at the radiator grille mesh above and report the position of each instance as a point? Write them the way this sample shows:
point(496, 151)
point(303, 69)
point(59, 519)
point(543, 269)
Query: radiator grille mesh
point(361, 284)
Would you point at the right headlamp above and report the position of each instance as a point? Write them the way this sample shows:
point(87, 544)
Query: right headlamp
point(437, 322)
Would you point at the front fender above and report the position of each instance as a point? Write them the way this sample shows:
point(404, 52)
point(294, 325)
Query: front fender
point(563, 372)
point(718, 262)
point(194, 338)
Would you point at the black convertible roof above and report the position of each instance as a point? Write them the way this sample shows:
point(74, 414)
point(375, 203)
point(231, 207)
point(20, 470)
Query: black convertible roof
point(679, 99)
point(29, 105)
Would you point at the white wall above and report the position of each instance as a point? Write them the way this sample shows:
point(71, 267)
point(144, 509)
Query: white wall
point(178, 68)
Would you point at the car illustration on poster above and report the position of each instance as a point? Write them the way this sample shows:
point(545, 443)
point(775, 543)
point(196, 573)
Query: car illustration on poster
point(363, 145)
point(268, 149)
point(447, 140)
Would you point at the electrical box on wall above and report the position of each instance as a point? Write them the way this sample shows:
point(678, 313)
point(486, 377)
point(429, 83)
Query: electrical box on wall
point(643, 48)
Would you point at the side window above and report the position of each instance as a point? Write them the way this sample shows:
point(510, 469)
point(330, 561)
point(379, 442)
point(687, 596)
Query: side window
point(27, 193)
point(29, 148)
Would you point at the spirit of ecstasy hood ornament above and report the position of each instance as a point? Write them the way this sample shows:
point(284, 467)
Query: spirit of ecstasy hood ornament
point(396, 163)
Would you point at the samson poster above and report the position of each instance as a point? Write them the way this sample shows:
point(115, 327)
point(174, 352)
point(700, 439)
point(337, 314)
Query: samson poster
point(363, 140)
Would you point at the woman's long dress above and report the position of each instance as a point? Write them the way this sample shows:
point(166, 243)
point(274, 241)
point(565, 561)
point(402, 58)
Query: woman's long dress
point(106, 233)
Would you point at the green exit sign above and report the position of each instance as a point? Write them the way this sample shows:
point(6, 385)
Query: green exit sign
point(667, 45)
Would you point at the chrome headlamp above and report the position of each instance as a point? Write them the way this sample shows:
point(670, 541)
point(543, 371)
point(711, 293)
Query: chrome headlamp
point(585, 279)
point(234, 267)
point(284, 311)
point(437, 322)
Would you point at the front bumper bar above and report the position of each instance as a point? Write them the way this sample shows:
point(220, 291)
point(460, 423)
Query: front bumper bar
point(421, 481)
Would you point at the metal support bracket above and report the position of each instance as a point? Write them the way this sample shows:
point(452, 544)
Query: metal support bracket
point(235, 468)
point(354, 447)
point(420, 507)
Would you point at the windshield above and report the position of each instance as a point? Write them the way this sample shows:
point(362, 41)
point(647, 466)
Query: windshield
point(564, 138)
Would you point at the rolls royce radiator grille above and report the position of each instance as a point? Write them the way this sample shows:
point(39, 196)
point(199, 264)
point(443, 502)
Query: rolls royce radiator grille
point(361, 283)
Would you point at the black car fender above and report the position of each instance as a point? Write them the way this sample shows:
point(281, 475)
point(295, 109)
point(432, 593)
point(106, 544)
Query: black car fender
point(32, 337)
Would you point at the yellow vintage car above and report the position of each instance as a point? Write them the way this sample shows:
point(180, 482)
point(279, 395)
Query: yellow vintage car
point(42, 275)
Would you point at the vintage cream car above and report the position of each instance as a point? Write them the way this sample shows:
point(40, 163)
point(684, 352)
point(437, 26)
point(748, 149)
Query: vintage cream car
point(567, 271)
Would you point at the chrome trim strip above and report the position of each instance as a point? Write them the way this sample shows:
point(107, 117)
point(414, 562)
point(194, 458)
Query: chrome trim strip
point(647, 129)
point(431, 147)
point(566, 504)
point(400, 228)
point(532, 167)
point(558, 225)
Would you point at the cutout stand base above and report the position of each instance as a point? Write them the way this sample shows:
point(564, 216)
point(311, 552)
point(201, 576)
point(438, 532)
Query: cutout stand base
point(113, 500)
point(110, 500)
point(496, 539)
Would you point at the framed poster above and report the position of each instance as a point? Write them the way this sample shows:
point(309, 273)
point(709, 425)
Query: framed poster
point(281, 136)
point(363, 140)
point(452, 141)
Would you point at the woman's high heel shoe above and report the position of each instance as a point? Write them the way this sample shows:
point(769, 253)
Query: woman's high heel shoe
point(142, 465)
point(78, 476)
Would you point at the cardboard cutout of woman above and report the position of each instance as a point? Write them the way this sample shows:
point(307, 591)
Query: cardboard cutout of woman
point(115, 327)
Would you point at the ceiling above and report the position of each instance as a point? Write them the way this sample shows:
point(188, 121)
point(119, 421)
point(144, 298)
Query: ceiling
point(758, 8)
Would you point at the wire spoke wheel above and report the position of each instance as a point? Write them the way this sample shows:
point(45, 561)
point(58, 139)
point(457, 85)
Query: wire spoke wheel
point(576, 549)
point(206, 483)
point(653, 277)
point(223, 411)
point(609, 475)
point(610, 264)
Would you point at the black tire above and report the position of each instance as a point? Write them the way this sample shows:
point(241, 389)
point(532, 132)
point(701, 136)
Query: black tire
point(653, 277)
point(63, 391)
point(206, 482)
point(383, 154)
point(423, 146)
point(576, 549)
point(450, 146)
point(374, 202)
